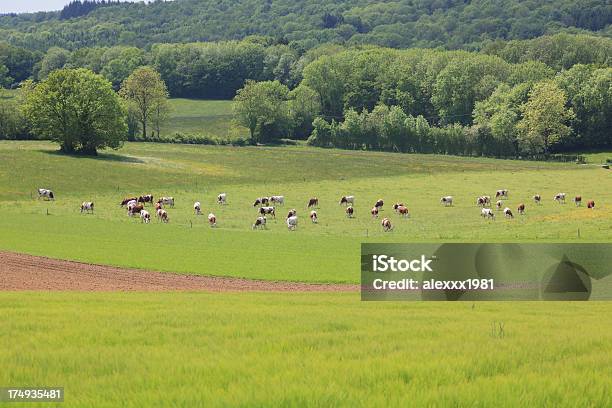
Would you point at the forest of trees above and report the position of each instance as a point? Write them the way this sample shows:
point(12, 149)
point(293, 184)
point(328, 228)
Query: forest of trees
point(303, 24)
point(478, 78)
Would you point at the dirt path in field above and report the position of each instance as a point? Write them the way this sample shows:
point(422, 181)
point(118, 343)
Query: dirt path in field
point(26, 272)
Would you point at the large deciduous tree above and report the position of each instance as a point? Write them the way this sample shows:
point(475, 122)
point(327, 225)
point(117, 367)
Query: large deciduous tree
point(545, 119)
point(262, 108)
point(147, 97)
point(78, 109)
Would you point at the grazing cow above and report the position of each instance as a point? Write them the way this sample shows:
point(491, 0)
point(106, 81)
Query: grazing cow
point(313, 217)
point(379, 204)
point(346, 200)
point(349, 212)
point(197, 208)
point(374, 212)
point(134, 209)
point(280, 200)
point(292, 213)
point(261, 201)
point(480, 201)
point(158, 206)
point(397, 205)
point(401, 210)
point(591, 204)
point(386, 224)
point(560, 198)
point(448, 200)
point(521, 209)
point(292, 223)
point(267, 210)
point(145, 216)
point(499, 204)
point(212, 220)
point(508, 213)
point(222, 198)
point(578, 201)
point(537, 198)
point(260, 223)
point(87, 206)
point(487, 213)
point(501, 194)
point(163, 215)
point(167, 201)
point(313, 202)
point(46, 194)
point(148, 198)
point(127, 201)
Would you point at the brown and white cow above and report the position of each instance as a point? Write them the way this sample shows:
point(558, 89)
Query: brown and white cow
point(292, 213)
point(212, 220)
point(268, 210)
point(578, 201)
point(167, 201)
point(46, 194)
point(487, 213)
point(313, 202)
point(346, 200)
point(560, 198)
point(379, 203)
point(260, 223)
point(349, 212)
point(158, 206)
point(145, 216)
point(499, 204)
point(521, 209)
point(501, 193)
point(591, 204)
point(374, 212)
point(135, 209)
point(163, 215)
point(397, 205)
point(313, 217)
point(147, 198)
point(386, 224)
point(125, 201)
point(403, 211)
point(87, 206)
point(261, 201)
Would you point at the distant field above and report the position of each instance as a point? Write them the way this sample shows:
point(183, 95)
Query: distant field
point(199, 349)
point(202, 117)
point(326, 252)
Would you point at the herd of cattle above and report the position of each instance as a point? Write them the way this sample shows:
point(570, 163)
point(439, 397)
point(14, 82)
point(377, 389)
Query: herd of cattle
point(267, 207)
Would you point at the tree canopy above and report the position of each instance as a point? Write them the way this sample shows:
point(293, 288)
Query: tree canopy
point(77, 109)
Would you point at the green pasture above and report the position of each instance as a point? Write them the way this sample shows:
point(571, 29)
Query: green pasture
point(255, 350)
point(325, 252)
point(205, 117)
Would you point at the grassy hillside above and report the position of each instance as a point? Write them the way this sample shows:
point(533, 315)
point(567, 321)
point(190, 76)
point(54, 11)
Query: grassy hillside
point(205, 117)
point(181, 349)
point(326, 252)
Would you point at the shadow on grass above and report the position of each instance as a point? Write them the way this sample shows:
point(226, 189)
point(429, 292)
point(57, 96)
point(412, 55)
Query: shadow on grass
point(100, 156)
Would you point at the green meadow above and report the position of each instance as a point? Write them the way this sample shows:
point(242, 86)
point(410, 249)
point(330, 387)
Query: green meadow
point(323, 252)
point(256, 350)
point(292, 349)
point(207, 117)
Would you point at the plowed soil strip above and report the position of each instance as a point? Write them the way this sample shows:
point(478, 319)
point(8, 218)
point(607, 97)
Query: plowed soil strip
point(20, 272)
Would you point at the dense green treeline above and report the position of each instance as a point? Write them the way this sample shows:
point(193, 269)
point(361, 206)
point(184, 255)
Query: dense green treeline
point(217, 70)
point(305, 23)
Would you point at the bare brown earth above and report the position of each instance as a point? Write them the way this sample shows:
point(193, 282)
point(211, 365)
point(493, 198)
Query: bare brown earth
point(19, 272)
